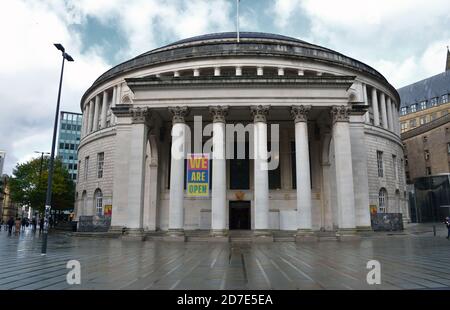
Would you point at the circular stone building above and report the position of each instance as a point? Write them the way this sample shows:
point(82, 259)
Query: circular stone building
point(340, 154)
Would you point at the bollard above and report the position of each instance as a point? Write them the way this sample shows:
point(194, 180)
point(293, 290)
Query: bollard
point(434, 230)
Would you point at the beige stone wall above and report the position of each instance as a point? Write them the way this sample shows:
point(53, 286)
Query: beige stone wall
point(101, 141)
point(435, 141)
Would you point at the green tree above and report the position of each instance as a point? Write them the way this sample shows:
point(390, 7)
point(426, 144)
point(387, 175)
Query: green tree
point(28, 185)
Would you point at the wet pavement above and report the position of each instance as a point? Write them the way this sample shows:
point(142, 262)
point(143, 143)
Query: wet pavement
point(410, 260)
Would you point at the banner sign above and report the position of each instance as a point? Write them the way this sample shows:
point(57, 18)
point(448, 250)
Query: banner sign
point(107, 210)
point(197, 175)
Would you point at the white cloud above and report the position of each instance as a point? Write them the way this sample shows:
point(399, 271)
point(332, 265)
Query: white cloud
point(30, 75)
point(403, 39)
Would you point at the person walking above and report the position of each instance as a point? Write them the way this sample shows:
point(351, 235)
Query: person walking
point(24, 222)
point(34, 224)
point(41, 225)
point(10, 225)
point(447, 223)
point(18, 224)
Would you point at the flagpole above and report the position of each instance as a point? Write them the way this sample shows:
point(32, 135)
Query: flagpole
point(237, 20)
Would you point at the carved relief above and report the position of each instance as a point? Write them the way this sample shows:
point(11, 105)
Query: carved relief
point(218, 113)
point(300, 113)
point(340, 113)
point(259, 113)
point(178, 114)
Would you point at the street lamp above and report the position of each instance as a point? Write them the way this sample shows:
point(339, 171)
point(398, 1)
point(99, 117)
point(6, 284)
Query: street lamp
point(48, 198)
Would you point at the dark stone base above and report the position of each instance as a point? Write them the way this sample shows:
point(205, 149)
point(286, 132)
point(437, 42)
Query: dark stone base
point(136, 234)
point(305, 236)
point(175, 235)
point(262, 236)
point(347, 235)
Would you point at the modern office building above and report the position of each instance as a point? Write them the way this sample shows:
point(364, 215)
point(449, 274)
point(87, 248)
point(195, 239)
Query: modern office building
point(339, 149)
point(68, 140)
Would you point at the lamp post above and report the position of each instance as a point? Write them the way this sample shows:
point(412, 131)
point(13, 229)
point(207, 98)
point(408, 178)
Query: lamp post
point(40, 168)
point(48, 198)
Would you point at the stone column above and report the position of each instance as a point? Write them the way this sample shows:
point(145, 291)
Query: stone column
point(390, 115)
point(178, 155)
point(219, 172)
point(395, 119)
point(104, 110)
point(113, 104)
point(261, 174)
point(136, 172)
point(304, 202)
point(344, 172)
point(85, 116)
point(383, 110)
point(366, 102)
point(91, 116)
point(376, 114)
point(96, 113)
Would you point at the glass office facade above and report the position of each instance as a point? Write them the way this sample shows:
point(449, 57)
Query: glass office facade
point(431, 199)
point(68, 141)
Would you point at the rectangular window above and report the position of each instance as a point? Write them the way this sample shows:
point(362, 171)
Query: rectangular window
point(412, 123)
point(423, 120)
point(433, 116)
point(86, 167)
point(404, 126)
point(434, 101)
point(448, 148)
point(394, 166)
point(428, 172)
point(100, 160)
point(423, 105)
point(427, 154)
point(413, 108)
point(403, 111)
point(380, 163)
point(444, 98)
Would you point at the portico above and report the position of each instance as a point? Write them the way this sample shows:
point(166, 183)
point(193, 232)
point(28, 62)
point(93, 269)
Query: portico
point(289, 196)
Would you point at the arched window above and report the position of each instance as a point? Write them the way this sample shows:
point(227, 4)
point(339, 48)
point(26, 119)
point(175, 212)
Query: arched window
point(382, 201)
point(98, 202)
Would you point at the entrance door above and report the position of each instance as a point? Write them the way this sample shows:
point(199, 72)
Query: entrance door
point(239, 216)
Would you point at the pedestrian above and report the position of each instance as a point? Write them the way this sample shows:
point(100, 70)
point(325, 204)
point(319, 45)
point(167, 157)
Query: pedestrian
point(18, 224)
point(24, 222)
point(447, 223)
point(34, 224)
point(41, 225)
point(10, 225)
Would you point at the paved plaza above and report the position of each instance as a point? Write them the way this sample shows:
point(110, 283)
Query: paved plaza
point(409, 260)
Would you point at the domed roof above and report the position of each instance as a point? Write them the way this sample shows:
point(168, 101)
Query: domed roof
point(225, 45)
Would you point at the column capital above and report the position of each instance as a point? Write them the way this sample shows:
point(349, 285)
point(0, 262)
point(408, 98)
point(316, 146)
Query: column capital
point(259, 113)
point(340, 113)
point(300, 112)
point(140, 115)
point(178, 114)
point(218, 113)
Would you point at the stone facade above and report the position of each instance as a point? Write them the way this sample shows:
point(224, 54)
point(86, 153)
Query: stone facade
point(331, 125)
point(427, 149)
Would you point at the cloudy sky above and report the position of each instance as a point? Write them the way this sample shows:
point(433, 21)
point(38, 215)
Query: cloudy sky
point(404, 39)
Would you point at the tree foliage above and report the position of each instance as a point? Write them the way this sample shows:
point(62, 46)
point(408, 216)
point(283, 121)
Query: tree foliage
point(28, 185)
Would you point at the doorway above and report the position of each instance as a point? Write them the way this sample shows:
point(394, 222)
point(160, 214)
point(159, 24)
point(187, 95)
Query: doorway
point(239, 216)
